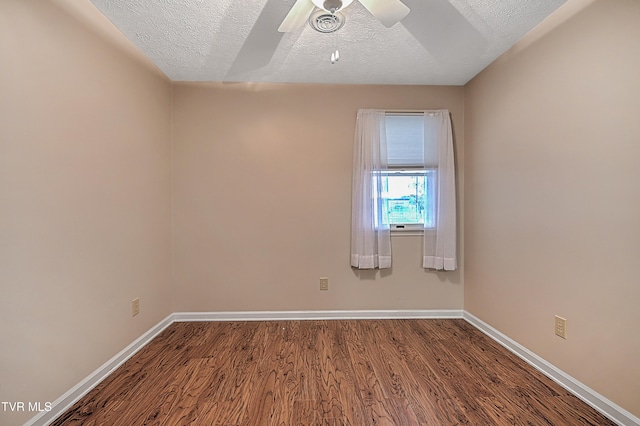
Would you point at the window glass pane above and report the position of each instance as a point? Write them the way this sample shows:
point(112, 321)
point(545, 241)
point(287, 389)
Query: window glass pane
point(408, 197)
point(404, 198)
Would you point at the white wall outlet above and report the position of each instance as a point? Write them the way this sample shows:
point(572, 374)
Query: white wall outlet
point(135, 306)
point(324, 283)
point(561, 327)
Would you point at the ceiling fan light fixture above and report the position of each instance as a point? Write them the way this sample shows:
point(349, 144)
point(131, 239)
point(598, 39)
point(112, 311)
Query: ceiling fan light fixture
point(332, 6)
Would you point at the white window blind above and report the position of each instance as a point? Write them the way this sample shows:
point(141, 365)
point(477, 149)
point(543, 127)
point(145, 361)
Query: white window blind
point(405, 142)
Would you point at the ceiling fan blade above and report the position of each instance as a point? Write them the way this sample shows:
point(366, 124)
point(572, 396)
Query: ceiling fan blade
point(389, 12)
point(297, 16)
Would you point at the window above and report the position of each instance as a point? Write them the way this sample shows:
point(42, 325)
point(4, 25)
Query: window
point(408, 199)
point(409, 182)
point(400, 163)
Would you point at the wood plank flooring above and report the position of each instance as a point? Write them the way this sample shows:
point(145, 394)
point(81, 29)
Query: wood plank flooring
point(383, 372)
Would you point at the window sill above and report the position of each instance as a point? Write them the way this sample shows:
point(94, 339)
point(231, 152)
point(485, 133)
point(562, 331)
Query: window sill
point(409, 233)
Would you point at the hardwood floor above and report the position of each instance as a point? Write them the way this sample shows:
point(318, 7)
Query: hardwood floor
point(384, 372)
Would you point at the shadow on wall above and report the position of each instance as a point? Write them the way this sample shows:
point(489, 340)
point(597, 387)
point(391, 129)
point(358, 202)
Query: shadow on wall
point(370, 274)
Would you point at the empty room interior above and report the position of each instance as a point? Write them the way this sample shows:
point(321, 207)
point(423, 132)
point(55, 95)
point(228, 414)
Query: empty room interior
point(208, 186)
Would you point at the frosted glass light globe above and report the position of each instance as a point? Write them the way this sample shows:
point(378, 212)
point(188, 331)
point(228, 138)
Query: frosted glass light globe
point(332, 5)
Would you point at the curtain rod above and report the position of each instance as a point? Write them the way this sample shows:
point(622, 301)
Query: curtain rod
point(410, 111)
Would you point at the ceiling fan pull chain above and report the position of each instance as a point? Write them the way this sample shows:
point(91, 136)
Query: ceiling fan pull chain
point(335, 56)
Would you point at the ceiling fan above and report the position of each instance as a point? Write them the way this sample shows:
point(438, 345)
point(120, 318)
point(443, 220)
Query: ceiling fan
point(388, 12)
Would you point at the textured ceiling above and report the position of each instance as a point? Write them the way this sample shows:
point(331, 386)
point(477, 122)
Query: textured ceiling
point(440, 42)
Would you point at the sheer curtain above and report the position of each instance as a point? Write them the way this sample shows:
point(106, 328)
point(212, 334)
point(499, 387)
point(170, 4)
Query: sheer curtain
point(439, 248)
point(370, 234)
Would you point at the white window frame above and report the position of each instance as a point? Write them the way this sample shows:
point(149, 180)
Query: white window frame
point(413, 172)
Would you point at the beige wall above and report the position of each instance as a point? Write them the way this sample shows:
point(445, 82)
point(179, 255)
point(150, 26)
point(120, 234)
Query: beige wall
point(84, 199)
point(262, 200)
point(552, 194)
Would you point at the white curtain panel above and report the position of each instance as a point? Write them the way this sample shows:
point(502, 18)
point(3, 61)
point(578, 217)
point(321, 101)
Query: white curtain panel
point(440, 244)
point(370, 235)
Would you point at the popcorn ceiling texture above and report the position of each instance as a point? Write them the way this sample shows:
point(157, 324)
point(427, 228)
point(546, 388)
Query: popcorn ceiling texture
point(441, 42)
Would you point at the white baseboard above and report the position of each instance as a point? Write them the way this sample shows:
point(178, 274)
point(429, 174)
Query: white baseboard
point(62, 404)
point(314, 315)
point(589, 396)
point(611, 410)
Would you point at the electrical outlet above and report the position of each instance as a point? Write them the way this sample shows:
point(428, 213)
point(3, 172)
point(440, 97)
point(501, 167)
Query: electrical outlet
point(561, 327)
point(135, 306)
point(324, 283)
